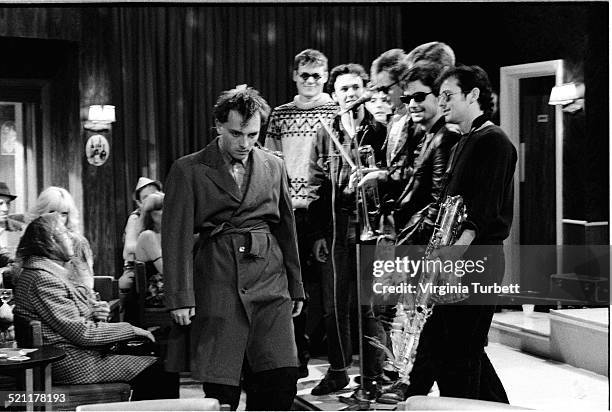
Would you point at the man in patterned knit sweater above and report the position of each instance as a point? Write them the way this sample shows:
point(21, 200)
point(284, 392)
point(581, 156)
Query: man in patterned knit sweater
point(291, 130)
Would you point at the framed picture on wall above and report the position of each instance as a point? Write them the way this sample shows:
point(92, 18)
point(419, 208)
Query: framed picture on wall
point(12, 157)
point(8, 131)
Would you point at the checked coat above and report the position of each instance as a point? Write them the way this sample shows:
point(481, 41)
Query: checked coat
point(43, 292)
point(243, 272)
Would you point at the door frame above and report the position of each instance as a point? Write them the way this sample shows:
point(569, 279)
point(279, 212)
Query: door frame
point(509, 108)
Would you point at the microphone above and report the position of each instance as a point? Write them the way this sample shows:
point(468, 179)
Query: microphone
point(367, 95)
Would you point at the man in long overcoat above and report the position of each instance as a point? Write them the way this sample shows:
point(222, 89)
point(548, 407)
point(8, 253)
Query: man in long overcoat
point(240, 284)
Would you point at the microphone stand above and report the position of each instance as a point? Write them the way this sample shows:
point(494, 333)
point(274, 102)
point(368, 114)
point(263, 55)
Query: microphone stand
point(359, 401)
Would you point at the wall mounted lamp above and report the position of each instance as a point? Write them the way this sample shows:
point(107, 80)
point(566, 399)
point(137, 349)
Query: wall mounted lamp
point(100, 117)
point(568, 95)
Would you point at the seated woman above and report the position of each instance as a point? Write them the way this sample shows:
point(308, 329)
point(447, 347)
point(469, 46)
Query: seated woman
point(57, 199)
point(73, 322)
point(148, 249)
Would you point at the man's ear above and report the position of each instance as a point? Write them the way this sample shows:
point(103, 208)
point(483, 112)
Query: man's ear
point(295, 76)
point(475, 93)
point(333, 95)
point(325, 77)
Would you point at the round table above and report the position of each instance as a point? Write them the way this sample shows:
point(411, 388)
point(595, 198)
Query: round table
point(41, 358)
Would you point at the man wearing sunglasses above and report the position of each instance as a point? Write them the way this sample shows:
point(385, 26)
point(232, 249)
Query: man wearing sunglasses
point(481, 170)
point(291, 130)
point(418, 204)
point(405, 137)
point(387, 72)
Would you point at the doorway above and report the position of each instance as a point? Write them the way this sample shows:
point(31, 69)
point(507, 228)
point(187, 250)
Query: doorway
point(511, 122)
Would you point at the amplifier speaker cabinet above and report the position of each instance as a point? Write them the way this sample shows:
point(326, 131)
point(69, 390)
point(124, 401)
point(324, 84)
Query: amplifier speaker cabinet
point(595, 290)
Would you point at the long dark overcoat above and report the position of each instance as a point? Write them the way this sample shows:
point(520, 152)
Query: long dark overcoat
point(242, 272)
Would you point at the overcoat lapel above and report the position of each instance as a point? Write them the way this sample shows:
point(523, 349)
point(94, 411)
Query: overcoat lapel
point(218, 174)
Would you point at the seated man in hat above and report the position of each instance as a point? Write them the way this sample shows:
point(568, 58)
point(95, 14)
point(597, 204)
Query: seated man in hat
point(10, 229)
point(134, 226)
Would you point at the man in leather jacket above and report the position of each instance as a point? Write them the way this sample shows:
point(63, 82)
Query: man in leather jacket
point(420, 199)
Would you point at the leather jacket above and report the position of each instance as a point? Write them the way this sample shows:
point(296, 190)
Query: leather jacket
point(420, 199)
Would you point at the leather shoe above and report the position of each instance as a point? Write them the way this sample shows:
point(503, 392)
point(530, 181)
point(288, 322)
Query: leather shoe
point(395, 394)
point(332, 382)
point(371, 390)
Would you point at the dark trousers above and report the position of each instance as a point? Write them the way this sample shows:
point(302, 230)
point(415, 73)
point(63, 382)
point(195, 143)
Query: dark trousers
point(271, 390)
point(155, 383)
point(451, 346)
point(299, 322)
point(337, 292)
point(373, 357)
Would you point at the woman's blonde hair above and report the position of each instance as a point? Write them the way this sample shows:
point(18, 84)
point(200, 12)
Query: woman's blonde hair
point(57, 199)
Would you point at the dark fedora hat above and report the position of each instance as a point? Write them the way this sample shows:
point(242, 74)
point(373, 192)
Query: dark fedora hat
point(4, 191)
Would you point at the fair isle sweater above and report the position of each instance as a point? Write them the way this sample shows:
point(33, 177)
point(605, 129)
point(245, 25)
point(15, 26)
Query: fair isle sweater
point(292, 129)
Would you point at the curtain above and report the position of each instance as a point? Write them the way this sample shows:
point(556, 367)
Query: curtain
point(170, 64)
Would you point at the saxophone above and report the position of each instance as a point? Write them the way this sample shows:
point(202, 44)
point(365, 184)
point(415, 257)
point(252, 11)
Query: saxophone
point(416, 310)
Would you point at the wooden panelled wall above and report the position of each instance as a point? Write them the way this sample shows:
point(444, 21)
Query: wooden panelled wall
point(41, 49)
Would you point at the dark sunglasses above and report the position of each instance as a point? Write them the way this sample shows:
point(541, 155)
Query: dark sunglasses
point(305, 76)
point(385, 89)
point(419, 97)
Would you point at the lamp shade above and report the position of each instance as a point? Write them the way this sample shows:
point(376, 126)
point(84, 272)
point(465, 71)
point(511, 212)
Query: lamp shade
point(102, 113)
point(566, 93)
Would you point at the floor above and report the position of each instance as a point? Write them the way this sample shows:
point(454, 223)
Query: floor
point(530, 382)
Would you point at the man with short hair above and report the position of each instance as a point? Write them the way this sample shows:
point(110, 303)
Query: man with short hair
point(334, 220)
point(240, 284)
point(379, 106)
point(292, 128)
point(403, 137)
point(481, 171)
point(419, 203)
